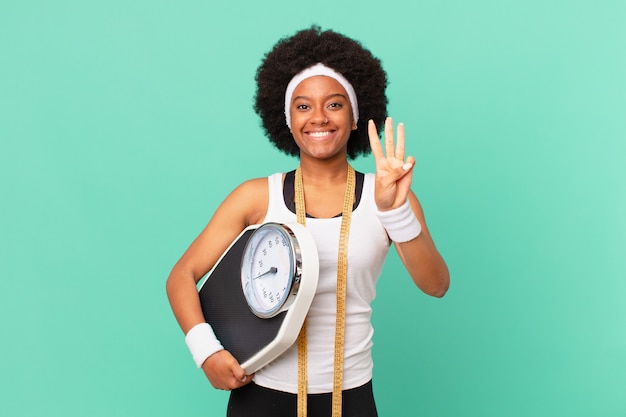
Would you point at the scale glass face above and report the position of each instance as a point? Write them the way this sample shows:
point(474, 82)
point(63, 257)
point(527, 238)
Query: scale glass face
point(270, 269)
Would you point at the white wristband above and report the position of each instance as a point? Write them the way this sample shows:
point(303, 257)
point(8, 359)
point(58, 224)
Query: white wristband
point(400, 223)
point(202, 342)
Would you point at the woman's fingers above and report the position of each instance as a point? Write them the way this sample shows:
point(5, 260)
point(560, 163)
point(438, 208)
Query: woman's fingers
point(400, 142)
point(393, 173)
point(389, 146)
point(377, 150)
point(394, 147)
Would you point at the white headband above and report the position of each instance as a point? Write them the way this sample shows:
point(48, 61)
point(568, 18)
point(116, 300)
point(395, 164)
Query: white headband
point(320, 69)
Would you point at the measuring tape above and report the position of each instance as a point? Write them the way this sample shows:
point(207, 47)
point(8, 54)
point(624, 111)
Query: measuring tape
point(340, 323)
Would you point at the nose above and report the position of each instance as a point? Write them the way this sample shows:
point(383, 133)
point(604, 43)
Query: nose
point(319, 117)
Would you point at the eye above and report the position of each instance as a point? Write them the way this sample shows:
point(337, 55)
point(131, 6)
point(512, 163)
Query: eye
point(335, 105)
point(302, 107)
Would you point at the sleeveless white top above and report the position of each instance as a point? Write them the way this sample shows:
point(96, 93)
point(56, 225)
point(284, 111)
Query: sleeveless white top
point(368, 246)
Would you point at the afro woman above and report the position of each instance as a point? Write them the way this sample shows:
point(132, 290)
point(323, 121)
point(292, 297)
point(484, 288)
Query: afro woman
point(321, 97)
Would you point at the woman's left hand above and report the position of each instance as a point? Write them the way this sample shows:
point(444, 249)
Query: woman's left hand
point(393, 173)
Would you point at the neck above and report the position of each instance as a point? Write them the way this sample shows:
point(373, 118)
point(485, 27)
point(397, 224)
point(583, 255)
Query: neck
point(324, 171)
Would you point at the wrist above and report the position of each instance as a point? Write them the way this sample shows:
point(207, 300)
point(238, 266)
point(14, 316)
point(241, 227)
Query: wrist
point(202, 342)
point(400, 223)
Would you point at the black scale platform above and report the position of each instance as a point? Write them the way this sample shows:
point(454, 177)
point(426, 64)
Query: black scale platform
point(241, 332)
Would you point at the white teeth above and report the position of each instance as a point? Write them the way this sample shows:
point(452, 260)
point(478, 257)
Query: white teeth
point(319, 134)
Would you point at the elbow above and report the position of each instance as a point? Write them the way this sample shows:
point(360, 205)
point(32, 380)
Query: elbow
point(171, 283)
point(168, 287)
point(440, 292)
point(439, 286)
point(437, 292)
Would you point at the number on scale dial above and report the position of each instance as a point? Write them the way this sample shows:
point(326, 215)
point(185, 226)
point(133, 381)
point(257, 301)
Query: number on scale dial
point(270, 269)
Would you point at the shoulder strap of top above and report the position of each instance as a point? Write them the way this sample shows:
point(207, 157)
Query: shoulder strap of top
point(289, 191)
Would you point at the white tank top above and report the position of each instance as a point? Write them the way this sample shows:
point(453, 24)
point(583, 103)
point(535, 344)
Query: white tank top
point(367, 248)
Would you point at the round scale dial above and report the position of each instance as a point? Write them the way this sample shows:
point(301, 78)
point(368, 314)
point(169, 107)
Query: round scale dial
point(270, 269)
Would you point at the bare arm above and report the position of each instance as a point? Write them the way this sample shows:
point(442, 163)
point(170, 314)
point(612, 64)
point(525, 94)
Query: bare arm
point(244, 206)
point(393, 187)
point(421, 258)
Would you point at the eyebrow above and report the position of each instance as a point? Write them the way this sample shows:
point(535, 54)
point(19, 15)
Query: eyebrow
point(325, 98)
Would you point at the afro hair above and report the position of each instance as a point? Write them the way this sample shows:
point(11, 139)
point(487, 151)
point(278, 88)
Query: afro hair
point(306, 48)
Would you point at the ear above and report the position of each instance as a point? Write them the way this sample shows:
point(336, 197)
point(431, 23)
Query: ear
point(353, 125)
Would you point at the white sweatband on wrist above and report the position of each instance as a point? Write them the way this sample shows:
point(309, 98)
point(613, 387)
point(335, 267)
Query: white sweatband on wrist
point(400, 223)
point(202, 342)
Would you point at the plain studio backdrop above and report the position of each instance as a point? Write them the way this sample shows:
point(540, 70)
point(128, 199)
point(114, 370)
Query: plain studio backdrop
point(123, 124)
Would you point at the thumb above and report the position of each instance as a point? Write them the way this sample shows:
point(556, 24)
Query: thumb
point(239, 373)
point(410, 163)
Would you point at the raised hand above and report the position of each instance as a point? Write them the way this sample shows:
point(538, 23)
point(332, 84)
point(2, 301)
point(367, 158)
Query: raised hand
point(393, 173)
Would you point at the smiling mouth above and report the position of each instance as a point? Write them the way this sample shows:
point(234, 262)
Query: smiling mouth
point(319, 134)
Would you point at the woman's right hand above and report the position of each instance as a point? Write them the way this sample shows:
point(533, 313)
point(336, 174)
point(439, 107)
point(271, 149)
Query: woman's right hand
point(224, 372)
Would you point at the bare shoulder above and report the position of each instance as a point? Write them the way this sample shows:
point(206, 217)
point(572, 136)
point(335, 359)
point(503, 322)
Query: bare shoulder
point(244, 206)
point(255, 186)
point(251, 199)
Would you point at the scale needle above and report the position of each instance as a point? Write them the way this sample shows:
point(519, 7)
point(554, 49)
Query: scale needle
point(272, 270)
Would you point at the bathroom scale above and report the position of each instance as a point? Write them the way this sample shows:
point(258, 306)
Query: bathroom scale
point(257, 295)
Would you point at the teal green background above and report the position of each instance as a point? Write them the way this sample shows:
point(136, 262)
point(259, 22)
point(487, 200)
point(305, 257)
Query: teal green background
point(123, 124)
